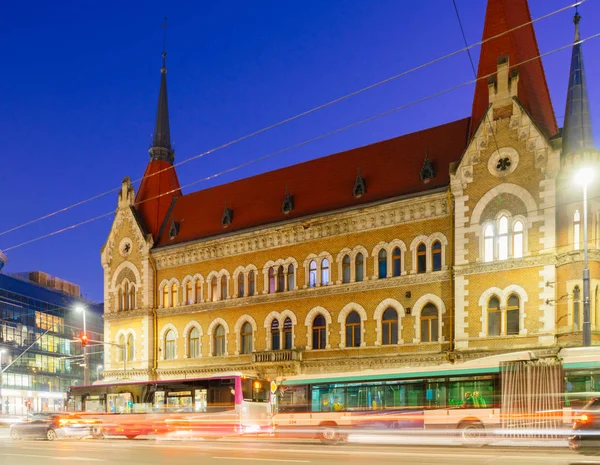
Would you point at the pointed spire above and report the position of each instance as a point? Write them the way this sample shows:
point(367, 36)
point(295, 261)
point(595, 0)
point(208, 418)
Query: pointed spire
point(161, 143)
point(577, 131)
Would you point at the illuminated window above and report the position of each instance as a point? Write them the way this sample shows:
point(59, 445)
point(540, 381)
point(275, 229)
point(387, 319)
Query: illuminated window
point(271, 280)
point(436, 256)
point(421, 258)
point(503, 238)
point(194, 343)
point(287, 333)
point(382, 264)
point(132, 297)
point(246, 338)
point(198, 291)
point(512, 315)
point(188, 293)
point(324, 272)
point(219, 341)
point(429, 323)
point(353, 330)
point(251, 283)
point(241, 284)
point(280, 279)
point(493, 317)
point(488, 246)
point(223, 287)
point(576, 308)
point(170, 345)
point(312, 274)
point(213, 289)
point(174, 295)
point(346, 269)
point(319, 333)
point(397, 262)
point(290, 278)
point(275, 335)
point(359, 268)
point(518, 240)
point(126, 296)
point(130, 348)
point(122, 350)
point(389, 327)
point(576, 230)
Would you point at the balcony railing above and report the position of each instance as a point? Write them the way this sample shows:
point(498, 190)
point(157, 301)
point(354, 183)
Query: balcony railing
point(275, 356)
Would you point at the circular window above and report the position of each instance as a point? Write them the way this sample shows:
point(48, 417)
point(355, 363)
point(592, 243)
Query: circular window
point(125, 247)
point(503, 162)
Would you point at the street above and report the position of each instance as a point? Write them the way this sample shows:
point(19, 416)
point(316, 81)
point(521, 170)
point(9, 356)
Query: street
point(116, 451)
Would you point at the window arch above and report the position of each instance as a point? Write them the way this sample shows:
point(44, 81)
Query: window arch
point(324, 272)
point(488, 246)
point(576, 230)
point(223, 287)
point(436, 256)
point(271, 280)
point(275, 335)
point(512, 315)
point(241, 284)
point(280, 279)
point(291, 280)
point(174, 294)
point(359, 267)
point(319, 333)
point(389, 327)
point(130, 348)
point(346, 269)
point(312, 273)
point(126, 296)
point(122, 349)
point(219, 341)
point(251, 283)
point(518, 239)
point(429, 323)
point(353, 330)
point(214, 289)
point(503, 237)
point(188, 293)
point(193, 343)
point(288, 337)
point(246, 338)
point(120, 299)
point(397, 262)
point(421, 258)
point(576, 308)
point(198, 291)
point(132, 297)
point(493, 316)
point(170, 345)
point(165, 296)
point(382, 264)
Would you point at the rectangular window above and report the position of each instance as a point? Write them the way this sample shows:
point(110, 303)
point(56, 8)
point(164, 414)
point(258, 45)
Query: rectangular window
point(503, 247)
point(293, 399)
point(494, 323)
point(512, 321)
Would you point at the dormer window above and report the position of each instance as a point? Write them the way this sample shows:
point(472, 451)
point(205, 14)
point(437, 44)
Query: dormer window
point(360, 187)
point(227, 218)
point(288, 203)
point(427, 171)
point(173, 230)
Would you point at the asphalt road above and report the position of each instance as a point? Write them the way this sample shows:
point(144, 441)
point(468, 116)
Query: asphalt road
point(248, 451)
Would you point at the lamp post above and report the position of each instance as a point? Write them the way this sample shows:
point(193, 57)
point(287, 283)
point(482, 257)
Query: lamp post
point(584, 178)
point(86, 369)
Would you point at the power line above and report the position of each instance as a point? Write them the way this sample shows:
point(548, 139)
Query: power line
point(306, 142)
point(295, 117)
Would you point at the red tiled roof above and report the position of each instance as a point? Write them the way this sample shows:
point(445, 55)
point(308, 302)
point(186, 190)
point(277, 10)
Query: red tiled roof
point(160, 177)
point(519, 45)
point(390, 168)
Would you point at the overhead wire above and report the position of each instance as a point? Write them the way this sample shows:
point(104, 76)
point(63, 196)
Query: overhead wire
point(292, 118)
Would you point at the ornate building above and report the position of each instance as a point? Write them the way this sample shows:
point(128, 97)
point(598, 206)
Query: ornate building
point(448, 243)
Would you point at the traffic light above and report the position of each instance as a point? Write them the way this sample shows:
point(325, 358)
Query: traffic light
point(84, 339)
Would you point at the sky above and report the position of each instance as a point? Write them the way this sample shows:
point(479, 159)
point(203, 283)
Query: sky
point(80, 80)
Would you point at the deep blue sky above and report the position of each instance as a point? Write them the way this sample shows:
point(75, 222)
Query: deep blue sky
point(80, 79)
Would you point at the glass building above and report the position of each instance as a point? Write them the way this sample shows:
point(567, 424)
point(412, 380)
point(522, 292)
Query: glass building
point(39, 354)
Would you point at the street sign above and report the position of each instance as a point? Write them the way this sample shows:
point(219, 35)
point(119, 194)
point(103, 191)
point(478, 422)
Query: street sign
point(273, 387)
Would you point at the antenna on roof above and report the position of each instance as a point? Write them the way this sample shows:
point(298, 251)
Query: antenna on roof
point(164, 53)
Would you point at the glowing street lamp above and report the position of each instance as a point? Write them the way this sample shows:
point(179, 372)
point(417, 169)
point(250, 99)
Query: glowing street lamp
point(584, 178)
point(86, 371)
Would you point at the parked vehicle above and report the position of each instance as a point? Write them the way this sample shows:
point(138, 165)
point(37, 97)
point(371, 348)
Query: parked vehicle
point(51, 426)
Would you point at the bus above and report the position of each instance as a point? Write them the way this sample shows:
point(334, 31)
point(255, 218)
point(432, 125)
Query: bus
point(216, 406)
point(514, 394)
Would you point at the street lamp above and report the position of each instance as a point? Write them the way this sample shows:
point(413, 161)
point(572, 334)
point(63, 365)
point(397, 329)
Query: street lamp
point(86, 372)
point(584, 178)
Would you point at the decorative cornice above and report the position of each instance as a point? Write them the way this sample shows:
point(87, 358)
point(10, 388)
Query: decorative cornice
point(367, 218)
point(504, 265)
point(127, 314)
point(576, 256)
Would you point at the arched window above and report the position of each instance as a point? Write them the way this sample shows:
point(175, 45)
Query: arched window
point(122, 349)
point(241, 284)
point(213, 289)
point(223, 287)
point(346, 269)
point(165, 296)
point(421, 258)
point(246, 338)
point(512, 315)
point(319, 333)
point(493, 317)
point(132, 297)
point(436, 256)
point(188, 293)
point(291, 281)
point(174, 295)
point(576, 308)
point(194, 343)
point(429, 323)
point(397, 262)
point(219, 341)
point(488, 243)
point(312, 274)
point(353, 330)
point(389, 327)
point(518, 239)
point(271, 280)
point(120, 299)
point(198, 291)
point(503, 238)
point(126, 296)
point(359, 268)
point(275, 336)
point(287, 334)
point(251, 283)
point(576, 230)
point(324, 272)
point(170, 345)
point(382, 264)
point(280, 279)
point(130, 348)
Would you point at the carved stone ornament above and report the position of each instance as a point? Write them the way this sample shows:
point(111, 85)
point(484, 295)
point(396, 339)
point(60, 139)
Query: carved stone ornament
point(427, 171)
point(173, 230)
point(360, 187)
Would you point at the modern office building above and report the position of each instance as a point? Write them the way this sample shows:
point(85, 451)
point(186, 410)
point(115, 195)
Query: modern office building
point(40, 356)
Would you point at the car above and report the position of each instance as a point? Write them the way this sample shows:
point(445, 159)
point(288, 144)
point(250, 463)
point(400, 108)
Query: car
point(585, 434)
point(52, 425)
